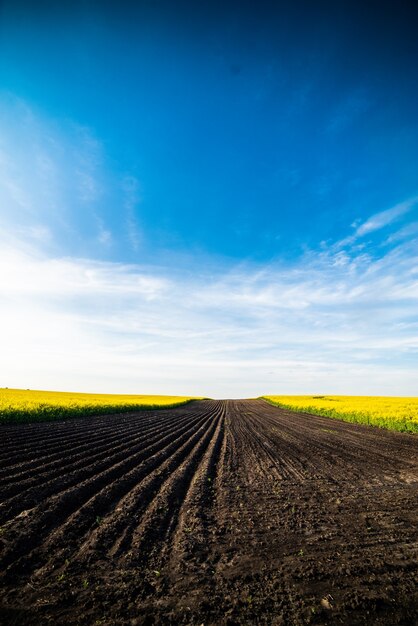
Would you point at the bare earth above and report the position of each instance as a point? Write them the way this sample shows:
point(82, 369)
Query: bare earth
point(218, 512)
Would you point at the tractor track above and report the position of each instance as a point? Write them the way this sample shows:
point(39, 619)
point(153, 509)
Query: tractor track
point(217, 512)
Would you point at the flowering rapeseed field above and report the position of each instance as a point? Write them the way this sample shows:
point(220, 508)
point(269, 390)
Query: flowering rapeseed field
point(19, 405)
point(394, 413)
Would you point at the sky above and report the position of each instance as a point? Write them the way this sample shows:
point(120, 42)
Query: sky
point(215, 199)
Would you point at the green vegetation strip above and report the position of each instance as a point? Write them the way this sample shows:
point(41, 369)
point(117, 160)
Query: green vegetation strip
point(402, 421)
point(24, 405)
point(49, 413)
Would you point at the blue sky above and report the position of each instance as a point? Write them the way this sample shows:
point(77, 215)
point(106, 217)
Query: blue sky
point(210, 200)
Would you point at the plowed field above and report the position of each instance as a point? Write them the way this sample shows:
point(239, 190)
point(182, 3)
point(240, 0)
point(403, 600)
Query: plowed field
point(218, 512)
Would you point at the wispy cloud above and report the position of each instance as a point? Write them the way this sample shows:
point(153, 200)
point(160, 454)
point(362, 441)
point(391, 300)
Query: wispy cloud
point(338, 319)
point(314, 326)
point(373, 224)
point(104, 235)
point(132, 198)
point(384, 218)
point(53, 177)
point(405, 232)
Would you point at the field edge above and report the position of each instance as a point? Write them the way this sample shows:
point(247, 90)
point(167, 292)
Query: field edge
point(354, 418)
point(53, 413)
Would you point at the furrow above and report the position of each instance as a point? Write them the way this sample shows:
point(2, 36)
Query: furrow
point(40, 457)
point(52, 513)
point(30, 434)
point(51, 433)
point(63, 440)
point(73, 463)
point(321, 452)
point(150, 539)
point(55, 486)
point(191, 539)
point(115, 534)
point(80, 536)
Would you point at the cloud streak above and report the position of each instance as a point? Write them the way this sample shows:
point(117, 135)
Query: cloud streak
point(384, 218)
point(243, 331)
point(53, 177)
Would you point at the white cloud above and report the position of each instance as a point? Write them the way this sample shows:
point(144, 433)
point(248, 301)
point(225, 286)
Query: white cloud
point(410, 230)
point(337, 320)
point(384, 218)
point(319, 326)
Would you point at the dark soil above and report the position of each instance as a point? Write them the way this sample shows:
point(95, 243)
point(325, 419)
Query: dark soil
point(218, 512)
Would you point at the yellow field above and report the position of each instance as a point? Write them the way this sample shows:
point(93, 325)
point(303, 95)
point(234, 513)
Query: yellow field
point(394, 413)
point(27, 405)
